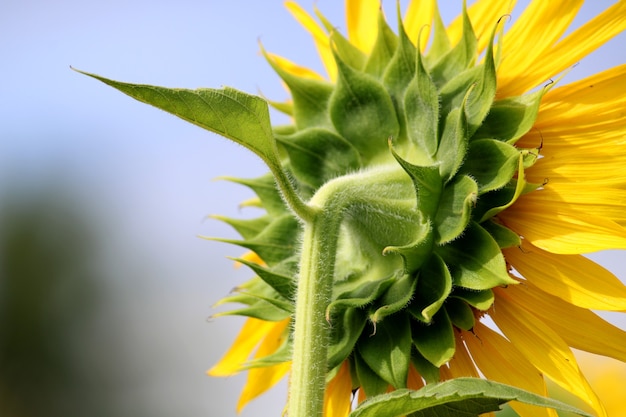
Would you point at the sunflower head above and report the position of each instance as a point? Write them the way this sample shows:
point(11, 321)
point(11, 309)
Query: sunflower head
point(423, 157)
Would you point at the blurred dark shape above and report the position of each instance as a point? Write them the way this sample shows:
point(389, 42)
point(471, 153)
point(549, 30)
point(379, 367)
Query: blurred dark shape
point(48, 295)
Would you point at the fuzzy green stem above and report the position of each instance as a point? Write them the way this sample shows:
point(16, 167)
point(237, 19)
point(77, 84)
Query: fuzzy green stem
point(308, 372)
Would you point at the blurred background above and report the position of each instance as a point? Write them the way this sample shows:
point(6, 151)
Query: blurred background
point(105, 287)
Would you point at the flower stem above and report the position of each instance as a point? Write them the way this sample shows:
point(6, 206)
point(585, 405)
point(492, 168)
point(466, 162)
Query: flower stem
point(311, 332)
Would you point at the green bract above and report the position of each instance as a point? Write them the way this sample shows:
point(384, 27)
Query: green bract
point(400, 169)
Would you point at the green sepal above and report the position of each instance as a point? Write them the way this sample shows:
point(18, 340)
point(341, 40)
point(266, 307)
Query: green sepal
point(482, 78)
point(460, 313)
point(265, 188)
point(247, 228)
point(435, 341)
point(276, 243)
point(434, 284)
point(384, 49)
point(511, 118)
point(441, 42)
point(318, 155)
point(505, 237)
point(400, 69)
point(460, 57)
point(388, 351)
point(475, 260)
point(282, 284)
point(427, 182)
point(279, 356)
point(491, 163)
point(347, 52)
point(369, 381)
point(504, 198)
point(455, 208)
point(285, 107)
point(460, 397)
point(357, 294)
point(345, 330)
point(395, 298)
point(258, 308)
point(453, 143)
point(362, 111)
point(481, 300)
point(310, 97)
point(421, 109)
point(425, 368)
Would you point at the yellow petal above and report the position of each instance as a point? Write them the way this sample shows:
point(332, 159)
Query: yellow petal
point(484, 15)
point(461, 364)
point(532, 35)
point(499, 360)
point(320, 37)
point(560, 228)
point(572, 48)
point(362, 21)
point(414, 380)
point(591, 164)
point(250, 256)
point(338, 395)
point(573, 278)
point(293, 68)
point(579, 327)
point(418, 15)
point(263, 378)
point(543, 347)
point(595, 200)
point(249, 337)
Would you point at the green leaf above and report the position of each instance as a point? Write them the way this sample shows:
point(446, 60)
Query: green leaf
point(455, 208)
point(435, 341)
point(388, 351)
point(264, 187)
point(240, 117)
point(362, 111)
point(491, 163)
point(461, 397)
point(434, 284)
point(345, 330)
point(475, 260)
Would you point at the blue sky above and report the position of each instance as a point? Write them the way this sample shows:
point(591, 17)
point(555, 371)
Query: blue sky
point(145, 176)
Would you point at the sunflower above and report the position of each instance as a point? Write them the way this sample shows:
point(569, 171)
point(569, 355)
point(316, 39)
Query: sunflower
point(469, 180)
